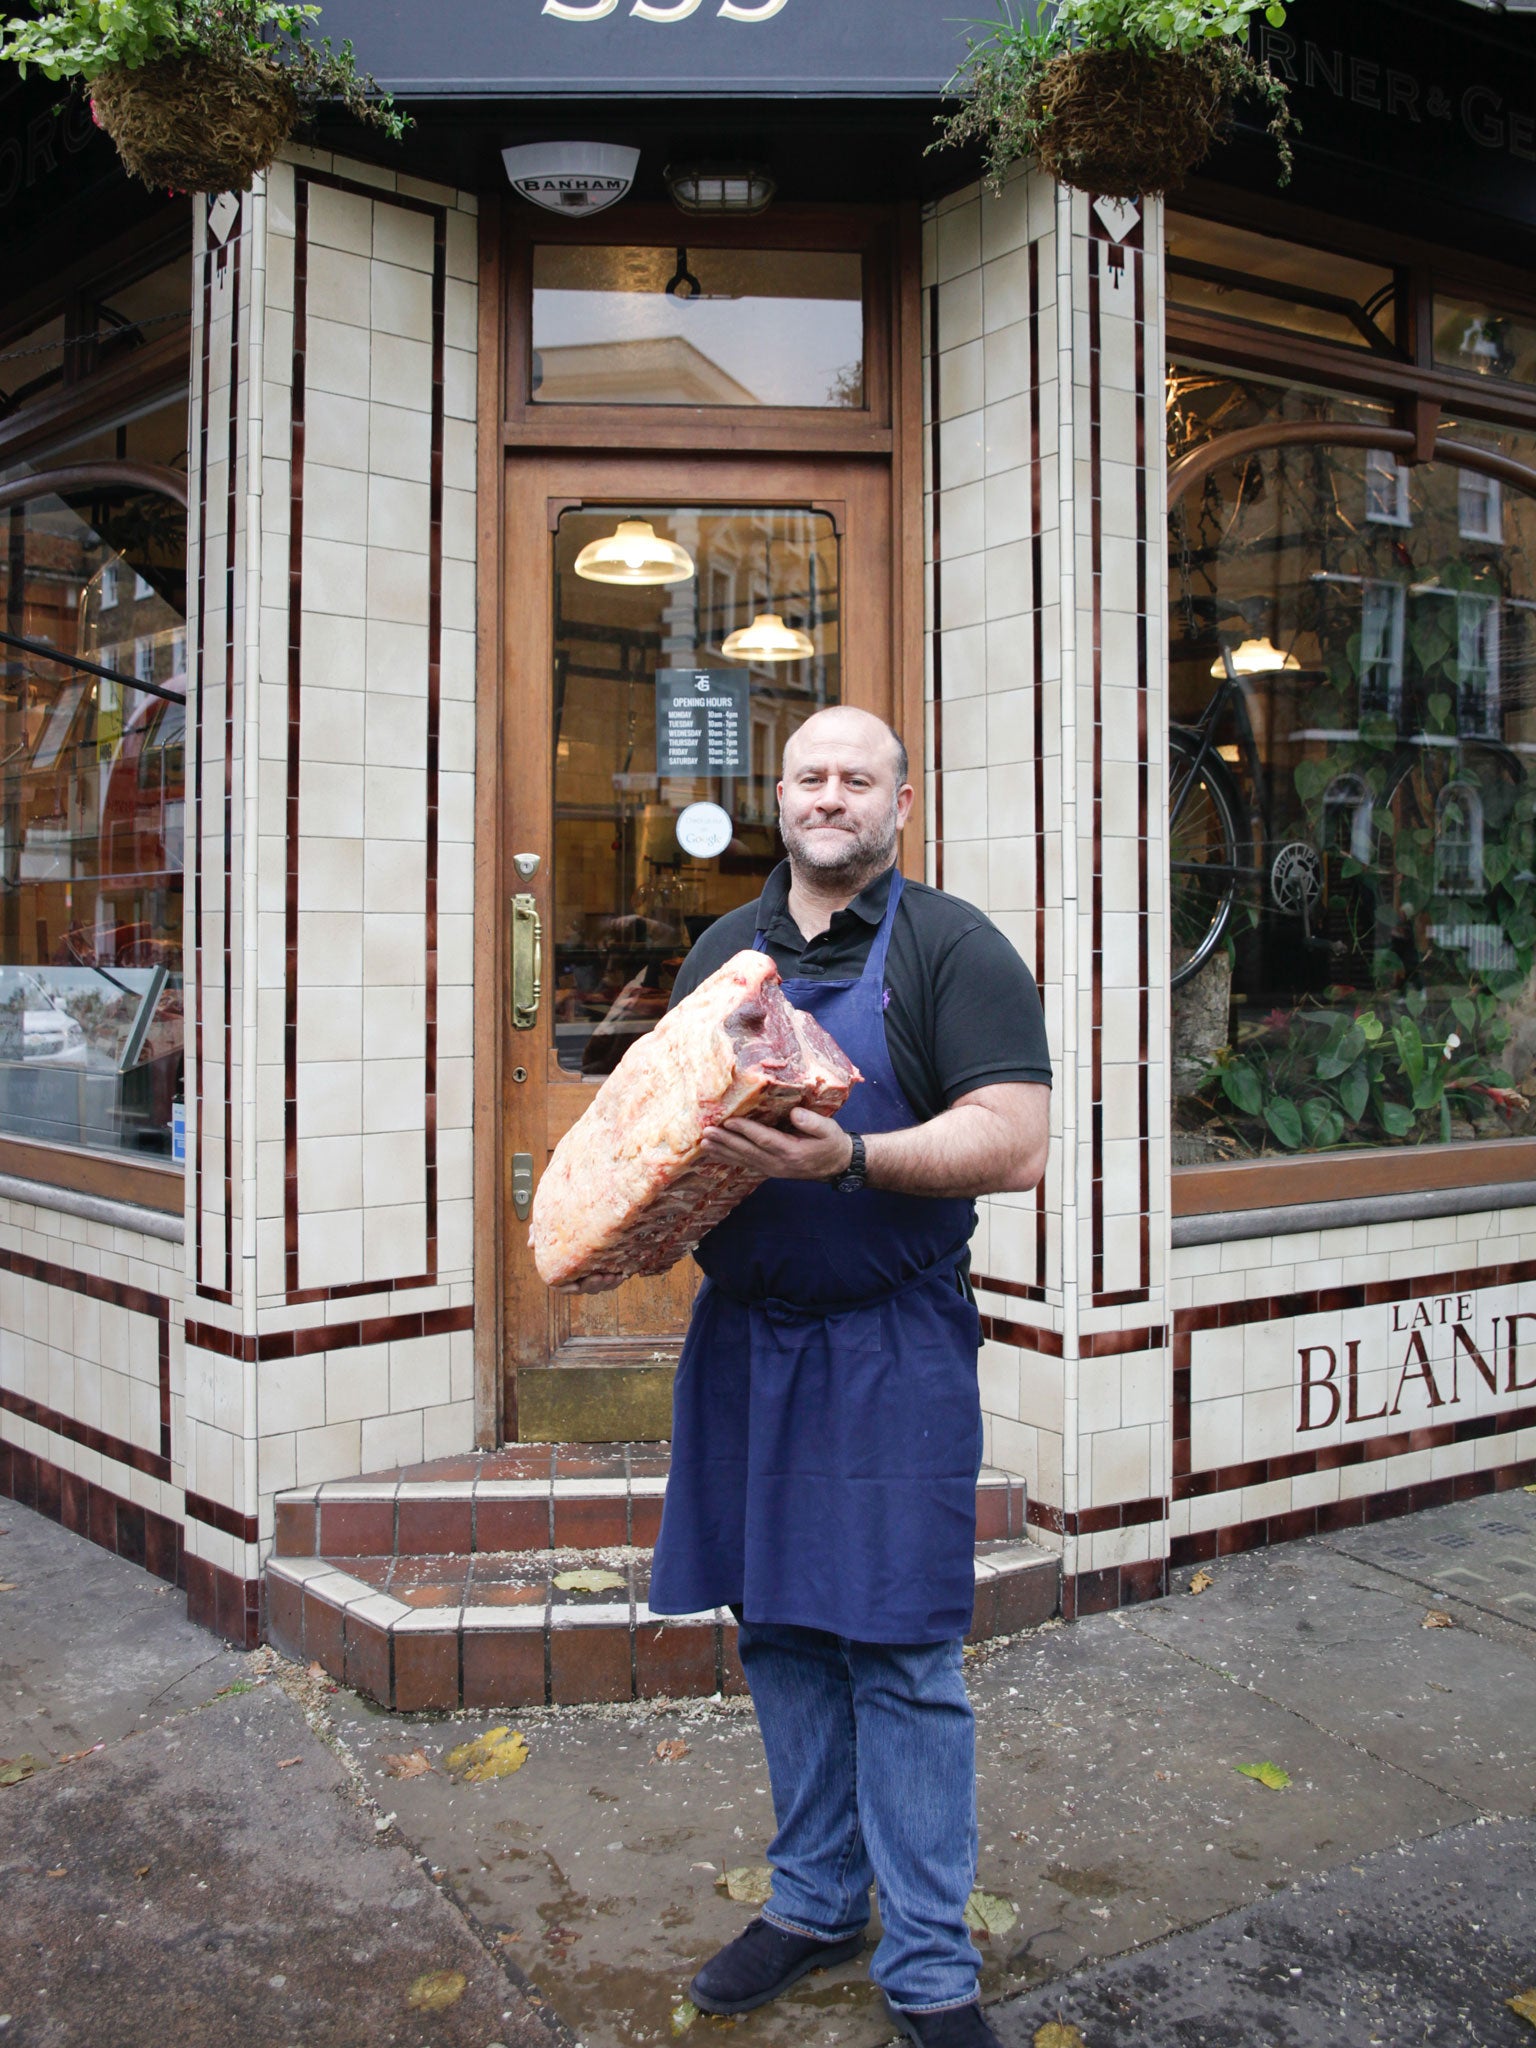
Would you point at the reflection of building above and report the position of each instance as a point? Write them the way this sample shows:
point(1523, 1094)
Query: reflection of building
point(920, 423)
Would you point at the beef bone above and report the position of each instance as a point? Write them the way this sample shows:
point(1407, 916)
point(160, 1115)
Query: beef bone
point(628, 1190)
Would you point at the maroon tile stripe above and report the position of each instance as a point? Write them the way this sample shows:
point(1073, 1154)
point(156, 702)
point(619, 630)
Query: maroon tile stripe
point(217, 1600)
point(244, 1528)
point(1119, 1585)
point(156, 1463)
point(1102, 252)
point(1126, 1514)
point(374, 195)
point(357, 1336)
point(1329, 1517)
point(1037, 631)
point(1189, 1484)
point(1025, 1335)
point(1117, 1343)
point(936, 619)
point(231, 534)
point(129, 1531)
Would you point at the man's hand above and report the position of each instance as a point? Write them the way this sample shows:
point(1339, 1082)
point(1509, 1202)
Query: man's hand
point(808, 1147)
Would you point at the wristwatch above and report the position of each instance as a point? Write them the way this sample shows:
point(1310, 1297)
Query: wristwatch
point(855, 1175)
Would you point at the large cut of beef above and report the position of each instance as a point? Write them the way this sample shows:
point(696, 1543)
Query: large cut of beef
point(628, 1190)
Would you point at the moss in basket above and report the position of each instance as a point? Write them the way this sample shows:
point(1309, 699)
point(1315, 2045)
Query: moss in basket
point(1080, 92)
point(85, 39)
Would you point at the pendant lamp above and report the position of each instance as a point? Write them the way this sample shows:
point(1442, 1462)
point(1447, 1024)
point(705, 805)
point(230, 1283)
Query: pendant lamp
point(768, 638)
point(1255, 658)
point(636, 555)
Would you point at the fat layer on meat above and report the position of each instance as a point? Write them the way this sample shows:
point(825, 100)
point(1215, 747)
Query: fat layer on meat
point(627, 1190)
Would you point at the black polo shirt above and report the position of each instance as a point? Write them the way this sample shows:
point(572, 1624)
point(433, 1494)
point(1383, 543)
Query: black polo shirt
point(963, 1011)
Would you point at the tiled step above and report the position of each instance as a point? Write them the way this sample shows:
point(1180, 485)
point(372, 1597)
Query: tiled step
point(528, 1497)
point(433, 1586)
point(491, 1629)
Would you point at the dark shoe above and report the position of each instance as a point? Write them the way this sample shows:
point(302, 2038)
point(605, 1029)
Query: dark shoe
point(959, 2026)
point(761, 1963)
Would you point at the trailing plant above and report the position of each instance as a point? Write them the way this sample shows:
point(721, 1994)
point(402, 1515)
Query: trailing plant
point(1126, 94)
point(91, 39)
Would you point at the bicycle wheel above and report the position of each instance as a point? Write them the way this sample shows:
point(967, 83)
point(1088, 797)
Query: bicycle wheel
point(1203, 843)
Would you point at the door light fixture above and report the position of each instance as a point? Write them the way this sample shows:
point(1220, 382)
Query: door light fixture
point(635, 554)
point(767, 639)
point(1255, 658)
point(720, 188)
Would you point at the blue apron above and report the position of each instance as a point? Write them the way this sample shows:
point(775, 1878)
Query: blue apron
point(826, 1419)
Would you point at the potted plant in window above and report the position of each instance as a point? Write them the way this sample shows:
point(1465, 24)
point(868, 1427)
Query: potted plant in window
point(198, 95)
point(1116, 97)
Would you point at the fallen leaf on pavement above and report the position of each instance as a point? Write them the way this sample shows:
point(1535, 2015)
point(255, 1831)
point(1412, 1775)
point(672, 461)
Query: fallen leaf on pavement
point(436, 1990)
point(1200, 1583)
point(9, 1586)
point(143, 1870)
point(1265, 1774)
point(1437, 1618)
point(415, 1765)
point(1524, 2002)
point(589, 1580)
point(14, 1769)
point(748, 1886)
point(317, 1671)
point(286, 1763)
point(496, 1754)
point(60, 1872)
point(1059, 2034)
point(684, 2017)
point(672, 1751)
point(75, 1755)
point(986, 1914)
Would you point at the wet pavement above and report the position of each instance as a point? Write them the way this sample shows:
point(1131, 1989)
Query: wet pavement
point(1117, 1825)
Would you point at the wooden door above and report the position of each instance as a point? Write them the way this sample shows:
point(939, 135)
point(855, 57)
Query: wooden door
point(594, 787)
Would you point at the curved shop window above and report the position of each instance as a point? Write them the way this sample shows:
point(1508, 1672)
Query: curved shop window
point(1352, 775)
point(93, 677)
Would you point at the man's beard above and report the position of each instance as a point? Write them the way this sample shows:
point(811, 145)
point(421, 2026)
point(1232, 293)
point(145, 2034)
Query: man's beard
point(842, 856)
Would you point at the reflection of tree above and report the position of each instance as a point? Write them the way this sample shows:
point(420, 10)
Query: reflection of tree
point(847, 386)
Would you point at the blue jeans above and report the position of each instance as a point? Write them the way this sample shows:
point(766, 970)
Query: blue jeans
point(872, 1759)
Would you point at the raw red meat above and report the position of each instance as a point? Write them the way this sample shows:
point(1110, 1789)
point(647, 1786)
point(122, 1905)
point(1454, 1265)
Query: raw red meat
point(628, 1190)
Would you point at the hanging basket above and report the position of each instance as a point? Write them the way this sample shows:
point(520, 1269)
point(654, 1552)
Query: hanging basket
point(196, 123)
point(1121, 123)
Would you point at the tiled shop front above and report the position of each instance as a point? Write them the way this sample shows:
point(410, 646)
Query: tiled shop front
point(311, 711)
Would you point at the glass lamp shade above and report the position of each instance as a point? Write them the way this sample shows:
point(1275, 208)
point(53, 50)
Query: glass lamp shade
point(1255, 658)
point(768, 639)
point(720, 188)
point(635, 554)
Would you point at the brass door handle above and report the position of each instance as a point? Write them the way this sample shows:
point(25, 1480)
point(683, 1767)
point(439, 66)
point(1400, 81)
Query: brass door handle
point(527, 962)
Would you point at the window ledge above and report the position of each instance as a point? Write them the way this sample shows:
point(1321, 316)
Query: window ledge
point(94, 1208)
point(1335, 1177)
point(1234, 1225)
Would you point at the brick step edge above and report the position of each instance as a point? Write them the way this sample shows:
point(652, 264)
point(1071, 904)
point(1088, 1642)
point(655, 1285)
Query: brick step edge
point(449, 1658)
point(406, 1518)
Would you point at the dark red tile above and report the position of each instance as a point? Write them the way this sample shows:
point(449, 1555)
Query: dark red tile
point(373, 1571)
point(505, 1595)
point(1340, 1514)
point(1290, 1528)
point(645, 1520)
point(426, 1670)
point(591, 1461)
point(50, 1481)
point(991, 1514)
point(202, 1593)
point(130, 1532)
point(676, 1662)
point(75, 1503)
point(430, 1594)
point(23, 1480)
point(512, 1524)
point(295, 1534)
point(1146, 1580)
point(1239, 1536)
point(356, 1528)
point(435, 1528)
point(733, 1680)
point(585, 1524)
point(1097, 1592)
point(285, 1617)
point(367, 1652)
point(518, 1461)
point(162, 1548)
point(504, 1667)
point(325, 1636)
point(444, 1471)
point(103, 1518)
point(983, 1612)
point(1025, 1599)
point(590, 1664)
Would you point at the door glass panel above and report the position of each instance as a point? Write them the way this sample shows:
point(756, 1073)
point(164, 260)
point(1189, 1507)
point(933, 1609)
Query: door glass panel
point(630, 897)
point(736, 327)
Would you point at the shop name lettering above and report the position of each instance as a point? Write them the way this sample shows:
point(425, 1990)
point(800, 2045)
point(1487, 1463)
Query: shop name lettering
point(1480, 111)
point(665, 11)
point(1428, 1376)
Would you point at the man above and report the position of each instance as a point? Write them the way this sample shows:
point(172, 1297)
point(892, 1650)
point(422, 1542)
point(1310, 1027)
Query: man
point(827, 1424)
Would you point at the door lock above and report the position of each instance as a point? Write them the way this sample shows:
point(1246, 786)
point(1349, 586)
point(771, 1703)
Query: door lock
point(527, 865)
point(522, 1184)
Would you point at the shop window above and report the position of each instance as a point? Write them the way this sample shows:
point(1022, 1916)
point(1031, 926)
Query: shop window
point(92, 806)
point(698, 326)
point(1263, 281)
point(1483, 340)
point(1366, 843)
point(1386, 490)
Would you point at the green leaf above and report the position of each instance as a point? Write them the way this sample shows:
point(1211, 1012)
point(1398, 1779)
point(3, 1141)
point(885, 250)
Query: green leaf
point(1241, 1086)
point(1396, 1120)
point(1265, 1774)
point(1284, 1120)
point(1464, 1010)
point(750, 1885)
point(986, 1913)
point(1354, 1092)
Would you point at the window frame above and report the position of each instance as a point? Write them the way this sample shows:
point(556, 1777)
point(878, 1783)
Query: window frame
point(1419, 392)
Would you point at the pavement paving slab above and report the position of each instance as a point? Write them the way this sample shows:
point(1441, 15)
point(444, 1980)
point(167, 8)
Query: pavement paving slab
point(1415, 1947)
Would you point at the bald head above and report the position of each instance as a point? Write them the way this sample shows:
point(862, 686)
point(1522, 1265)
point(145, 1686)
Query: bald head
point(843, 722)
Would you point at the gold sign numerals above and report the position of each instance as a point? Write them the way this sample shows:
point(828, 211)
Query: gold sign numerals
point(664, 10)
